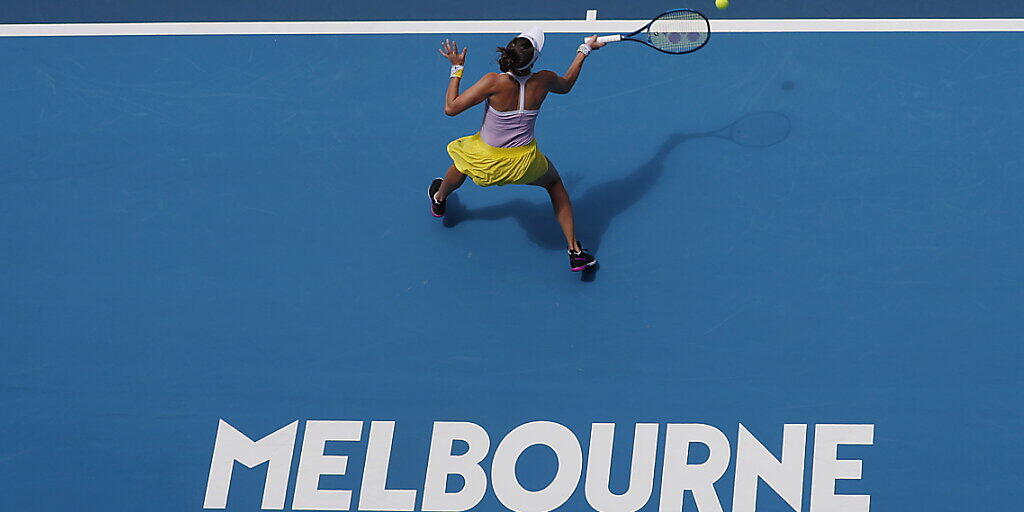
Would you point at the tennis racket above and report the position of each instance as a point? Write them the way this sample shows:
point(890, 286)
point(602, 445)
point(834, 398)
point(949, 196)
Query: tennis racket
point(676, 32)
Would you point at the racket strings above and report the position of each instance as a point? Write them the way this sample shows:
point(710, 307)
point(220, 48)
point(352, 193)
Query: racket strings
point(679, 32)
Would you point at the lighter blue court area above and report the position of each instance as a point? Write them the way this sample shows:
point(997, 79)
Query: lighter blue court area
point(791, 228)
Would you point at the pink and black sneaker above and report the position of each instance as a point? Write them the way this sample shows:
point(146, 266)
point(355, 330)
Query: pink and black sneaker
point(580, 260)
point(436, 208)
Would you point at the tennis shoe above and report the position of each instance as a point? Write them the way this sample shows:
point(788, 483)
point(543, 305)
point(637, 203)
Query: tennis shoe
point(436, 208)
point(580, 260)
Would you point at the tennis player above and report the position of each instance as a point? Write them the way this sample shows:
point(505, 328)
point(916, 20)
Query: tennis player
point(505, 151)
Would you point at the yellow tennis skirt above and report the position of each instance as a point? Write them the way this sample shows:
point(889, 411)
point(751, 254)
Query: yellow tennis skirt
point(488, 165)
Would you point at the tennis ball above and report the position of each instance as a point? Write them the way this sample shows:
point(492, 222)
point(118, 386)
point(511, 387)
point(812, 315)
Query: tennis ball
point(721, 4)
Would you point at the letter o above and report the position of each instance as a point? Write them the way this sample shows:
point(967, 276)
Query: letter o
point(570, 467)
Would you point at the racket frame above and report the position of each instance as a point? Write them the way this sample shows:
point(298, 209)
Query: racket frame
point(629, 37)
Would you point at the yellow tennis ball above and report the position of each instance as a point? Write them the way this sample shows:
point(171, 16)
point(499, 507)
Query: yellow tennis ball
point(721, 4)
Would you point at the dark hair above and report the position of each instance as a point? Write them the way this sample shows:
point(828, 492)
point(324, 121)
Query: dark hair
point(517, 54)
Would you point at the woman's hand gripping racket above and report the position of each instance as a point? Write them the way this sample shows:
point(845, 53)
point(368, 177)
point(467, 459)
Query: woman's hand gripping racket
point(677, 32)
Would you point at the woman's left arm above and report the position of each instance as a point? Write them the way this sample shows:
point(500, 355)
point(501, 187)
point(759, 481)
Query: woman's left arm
point(455, 103)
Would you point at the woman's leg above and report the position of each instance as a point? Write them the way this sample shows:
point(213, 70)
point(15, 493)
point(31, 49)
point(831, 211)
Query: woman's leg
point(453, 179)
point(560, 201)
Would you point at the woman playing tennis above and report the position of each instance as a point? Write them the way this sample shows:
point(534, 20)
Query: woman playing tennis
point(504, 151)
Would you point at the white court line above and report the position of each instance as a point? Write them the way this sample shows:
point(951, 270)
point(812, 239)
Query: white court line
point(587, 26)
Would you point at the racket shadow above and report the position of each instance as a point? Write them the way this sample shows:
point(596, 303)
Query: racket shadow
point(597, 206)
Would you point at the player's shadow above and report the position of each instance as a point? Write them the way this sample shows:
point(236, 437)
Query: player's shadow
point(596, 206)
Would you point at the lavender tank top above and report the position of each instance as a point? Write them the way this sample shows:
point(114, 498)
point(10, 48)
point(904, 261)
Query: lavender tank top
point(509, 129)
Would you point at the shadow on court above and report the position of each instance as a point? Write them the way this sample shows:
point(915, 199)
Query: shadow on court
point(597, 206)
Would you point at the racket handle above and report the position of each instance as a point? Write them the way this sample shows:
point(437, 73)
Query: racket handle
point(607, 39)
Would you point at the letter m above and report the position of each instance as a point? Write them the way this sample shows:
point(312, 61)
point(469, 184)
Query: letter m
point(232, 445)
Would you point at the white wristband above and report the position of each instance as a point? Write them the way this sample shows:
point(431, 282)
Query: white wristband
point(584, 49)
point(457, 71)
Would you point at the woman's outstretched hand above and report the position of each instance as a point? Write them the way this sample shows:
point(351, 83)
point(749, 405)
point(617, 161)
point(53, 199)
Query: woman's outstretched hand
point(450, 51)
point(593, 43)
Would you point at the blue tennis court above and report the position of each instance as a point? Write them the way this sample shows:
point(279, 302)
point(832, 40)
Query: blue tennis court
point(792, 228)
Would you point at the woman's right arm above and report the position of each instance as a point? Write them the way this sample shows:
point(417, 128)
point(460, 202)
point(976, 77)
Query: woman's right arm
point(563, 84)
point(455, 102)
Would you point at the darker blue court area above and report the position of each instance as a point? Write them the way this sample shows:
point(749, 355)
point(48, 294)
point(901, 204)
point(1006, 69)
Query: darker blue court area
point(792, 228)
point(72, 11)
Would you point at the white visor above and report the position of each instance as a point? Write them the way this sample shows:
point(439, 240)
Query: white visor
point(536, 37)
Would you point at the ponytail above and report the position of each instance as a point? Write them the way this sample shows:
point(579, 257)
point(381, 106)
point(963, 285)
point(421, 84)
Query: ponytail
point(505, 59)
point(517, 54)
